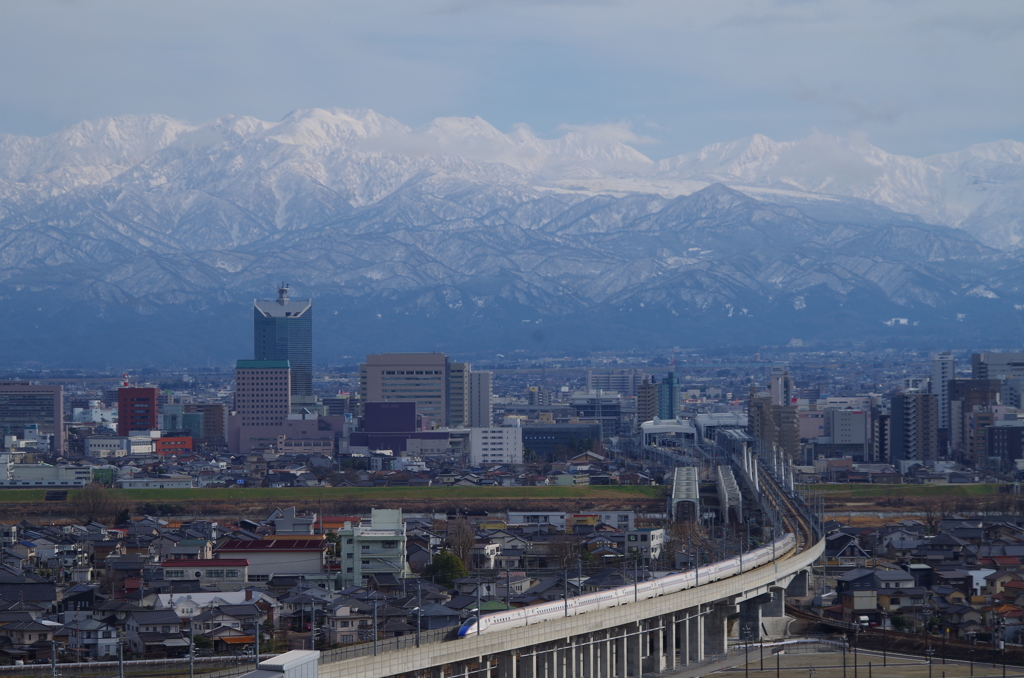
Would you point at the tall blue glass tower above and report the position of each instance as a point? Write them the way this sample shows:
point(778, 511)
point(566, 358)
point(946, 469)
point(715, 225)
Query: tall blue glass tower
point(668, 397)
point(283, 330)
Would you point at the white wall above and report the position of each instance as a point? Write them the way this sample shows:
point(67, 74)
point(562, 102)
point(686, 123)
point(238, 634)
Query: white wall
point(496, 445)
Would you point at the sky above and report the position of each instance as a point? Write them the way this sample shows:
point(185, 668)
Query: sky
point(916, 77)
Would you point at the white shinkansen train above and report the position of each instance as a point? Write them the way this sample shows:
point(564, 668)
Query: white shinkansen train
point(591, 602)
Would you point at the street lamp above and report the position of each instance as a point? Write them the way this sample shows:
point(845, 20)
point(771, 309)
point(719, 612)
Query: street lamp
point(856, 635)
point(885, 637)
point(973, 635)
point(945, 632)
point(746, 650)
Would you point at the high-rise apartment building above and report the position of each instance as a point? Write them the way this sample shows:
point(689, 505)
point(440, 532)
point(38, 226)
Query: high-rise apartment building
point(646, 402)
point(458, 394)
point(283, 330)
point(262, 392)
point(214, 422)
point(881, 440)
point(408, 377)
point(137, 409)
point(668, 397)
point(22, 404)
point(913, 430)
point(781, 387)
point(774, 426)
point(966, 396)
point(943, 369)
point(481, 412)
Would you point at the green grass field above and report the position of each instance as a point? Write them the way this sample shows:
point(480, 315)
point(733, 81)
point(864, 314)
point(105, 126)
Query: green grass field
point(597, 492)
point(860, 492)
point(21, 496)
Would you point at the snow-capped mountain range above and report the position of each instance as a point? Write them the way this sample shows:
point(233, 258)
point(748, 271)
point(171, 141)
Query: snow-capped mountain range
point(465, 233)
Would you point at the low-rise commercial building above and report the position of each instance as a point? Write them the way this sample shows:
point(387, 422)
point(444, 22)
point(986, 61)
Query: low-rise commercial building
point(159, 482)
point(119, 446)
point(226, 574)
point(45, 475)
point(268, 557)
point(377, 548)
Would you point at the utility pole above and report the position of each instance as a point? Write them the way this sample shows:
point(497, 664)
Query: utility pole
point(855, 636)
point(191, 650)
point(419, 612)
point(120, 654)
point(312, 626)
point(375, 627)
point(579, 575)
point(53, 658)
point(257, 643)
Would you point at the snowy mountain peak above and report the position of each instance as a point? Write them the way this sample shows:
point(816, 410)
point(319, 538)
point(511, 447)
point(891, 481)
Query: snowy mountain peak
point(363, 156)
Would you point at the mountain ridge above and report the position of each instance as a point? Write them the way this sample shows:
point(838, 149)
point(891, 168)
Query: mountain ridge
point(465, 233)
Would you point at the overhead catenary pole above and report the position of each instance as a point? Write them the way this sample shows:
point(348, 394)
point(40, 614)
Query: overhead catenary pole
point(375, 627)
point(257, 643)
point(565, 590)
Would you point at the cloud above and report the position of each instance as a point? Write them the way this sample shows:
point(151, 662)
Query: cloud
point(859, 110)
point(621, 132)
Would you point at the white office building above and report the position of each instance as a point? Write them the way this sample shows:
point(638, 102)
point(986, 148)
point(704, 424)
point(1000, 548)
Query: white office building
point(496, 445)
point(119, 446)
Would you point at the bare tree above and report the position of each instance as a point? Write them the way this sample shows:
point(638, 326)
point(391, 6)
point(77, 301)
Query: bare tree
point(930, 513)
point(461, 539)
point(96, 502)
point(565, 551)
point(946, 504)
point(966, 504)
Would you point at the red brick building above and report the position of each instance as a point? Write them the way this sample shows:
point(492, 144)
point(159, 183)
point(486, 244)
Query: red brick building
point(136, 409)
